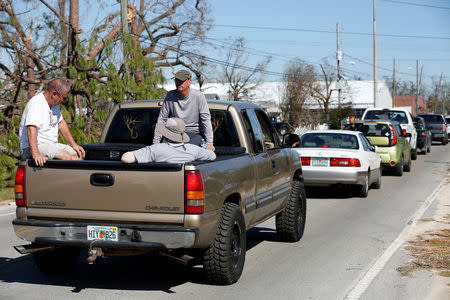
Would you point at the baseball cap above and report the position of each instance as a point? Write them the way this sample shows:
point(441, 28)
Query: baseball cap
point(182, 75)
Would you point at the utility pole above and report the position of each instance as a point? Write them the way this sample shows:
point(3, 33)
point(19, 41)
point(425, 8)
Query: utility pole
point(393, 85)
point(417, 88)
point(375, 59)
point(339, 58)
point(124, 15)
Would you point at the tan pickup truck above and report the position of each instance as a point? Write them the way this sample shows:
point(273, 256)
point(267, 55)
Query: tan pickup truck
point(111, 208)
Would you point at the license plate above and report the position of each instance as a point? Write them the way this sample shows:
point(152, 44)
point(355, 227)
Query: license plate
point(319, 161)
point(104, 233)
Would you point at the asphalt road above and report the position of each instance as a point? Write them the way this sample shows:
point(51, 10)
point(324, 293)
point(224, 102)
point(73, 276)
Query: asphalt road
point(344, 237)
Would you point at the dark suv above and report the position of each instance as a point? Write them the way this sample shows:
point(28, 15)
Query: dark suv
point(437, 125)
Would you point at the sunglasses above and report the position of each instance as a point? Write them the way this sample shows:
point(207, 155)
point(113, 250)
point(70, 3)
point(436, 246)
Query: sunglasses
point(59, 94)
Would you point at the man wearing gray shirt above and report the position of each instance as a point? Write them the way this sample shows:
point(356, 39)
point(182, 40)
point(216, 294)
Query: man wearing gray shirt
point(173, 149)
point(190, 106)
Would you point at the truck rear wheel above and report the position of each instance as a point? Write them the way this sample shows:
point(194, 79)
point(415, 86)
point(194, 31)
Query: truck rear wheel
point(414, 154)
point(290, 223)
point(56, 261)
point(223, 261)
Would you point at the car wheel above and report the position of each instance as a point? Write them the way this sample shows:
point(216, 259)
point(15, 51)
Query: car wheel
point(407, 167)
point(364, 188)
point(399, 168)
point(414, 154)
point(223, 261)
point(290, 223)
point(56, 261)
point(377, 184)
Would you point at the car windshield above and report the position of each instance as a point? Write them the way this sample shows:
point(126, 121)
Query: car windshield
point(330, 140)
point(393, 115)
point(433, 119)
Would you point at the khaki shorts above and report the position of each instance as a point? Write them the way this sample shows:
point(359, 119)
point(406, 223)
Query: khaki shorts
point(47, 149)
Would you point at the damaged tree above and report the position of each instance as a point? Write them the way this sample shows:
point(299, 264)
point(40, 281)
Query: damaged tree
point(56, 45)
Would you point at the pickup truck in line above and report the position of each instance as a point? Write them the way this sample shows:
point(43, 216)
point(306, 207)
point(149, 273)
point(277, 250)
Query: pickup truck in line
point(199, 208)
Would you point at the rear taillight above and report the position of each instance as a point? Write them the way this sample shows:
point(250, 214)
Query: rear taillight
point(194, 196)
point(306, 161)
point(443, 127)
point(19, 187)
point(344, 162)
point(404, 132)
point(394, 136)
point(423, 134)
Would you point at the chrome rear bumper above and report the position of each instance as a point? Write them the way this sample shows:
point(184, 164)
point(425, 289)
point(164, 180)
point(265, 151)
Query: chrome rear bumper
point(129, 235)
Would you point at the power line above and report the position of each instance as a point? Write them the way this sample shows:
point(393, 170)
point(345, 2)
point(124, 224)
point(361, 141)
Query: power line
point(332, 32)
point(416, 4)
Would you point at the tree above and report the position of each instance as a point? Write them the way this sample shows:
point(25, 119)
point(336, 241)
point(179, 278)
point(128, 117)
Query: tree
point(241, 78)
point(322, 90)
point(298, 79)
point(106, 66)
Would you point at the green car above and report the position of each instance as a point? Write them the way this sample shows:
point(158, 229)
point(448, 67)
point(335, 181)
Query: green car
point(391, 142)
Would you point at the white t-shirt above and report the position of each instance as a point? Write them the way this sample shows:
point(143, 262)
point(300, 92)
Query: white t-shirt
point(38, 113)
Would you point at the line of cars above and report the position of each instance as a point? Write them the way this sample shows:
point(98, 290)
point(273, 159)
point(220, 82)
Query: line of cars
point(384, 140)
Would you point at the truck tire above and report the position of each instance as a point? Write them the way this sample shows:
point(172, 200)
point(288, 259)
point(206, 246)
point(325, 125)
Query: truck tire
point(414, 154)
point(223, 261)
point(56, 261)
point(290, 223)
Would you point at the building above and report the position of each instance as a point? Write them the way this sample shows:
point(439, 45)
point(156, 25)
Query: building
point(409, 103)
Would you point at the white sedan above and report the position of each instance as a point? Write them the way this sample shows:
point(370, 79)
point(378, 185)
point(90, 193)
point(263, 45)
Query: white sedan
point(339, 157)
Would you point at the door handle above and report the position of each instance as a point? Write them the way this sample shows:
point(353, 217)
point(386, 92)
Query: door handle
point(102, 179)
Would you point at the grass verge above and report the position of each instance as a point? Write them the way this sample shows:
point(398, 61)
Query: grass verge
point(430, 250)
point(6, 194)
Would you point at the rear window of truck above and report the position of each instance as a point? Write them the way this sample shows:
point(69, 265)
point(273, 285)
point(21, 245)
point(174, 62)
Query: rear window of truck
point(393, 115)
point(433, 119)
point(137, 126)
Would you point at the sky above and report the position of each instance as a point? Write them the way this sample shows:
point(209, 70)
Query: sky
point(407, 30)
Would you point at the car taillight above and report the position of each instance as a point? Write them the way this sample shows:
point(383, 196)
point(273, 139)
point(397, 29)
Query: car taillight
point(306, 161)
point(404, 132)
point(19, 187)
point(423, 134)
point(394, 136)
point(344, 162)
point(443, 127)
point(194, 195)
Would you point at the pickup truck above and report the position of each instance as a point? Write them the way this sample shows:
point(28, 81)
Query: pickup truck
point(437, 124)
point(198, 209)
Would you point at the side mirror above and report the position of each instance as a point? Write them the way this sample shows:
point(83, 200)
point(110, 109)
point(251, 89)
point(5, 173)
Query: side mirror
point(291, 140)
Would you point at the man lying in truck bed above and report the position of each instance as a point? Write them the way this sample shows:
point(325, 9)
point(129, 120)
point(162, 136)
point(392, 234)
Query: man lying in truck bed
point(173, 149)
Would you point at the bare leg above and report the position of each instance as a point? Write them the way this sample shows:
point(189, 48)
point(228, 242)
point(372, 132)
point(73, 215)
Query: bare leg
point(63, 155)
